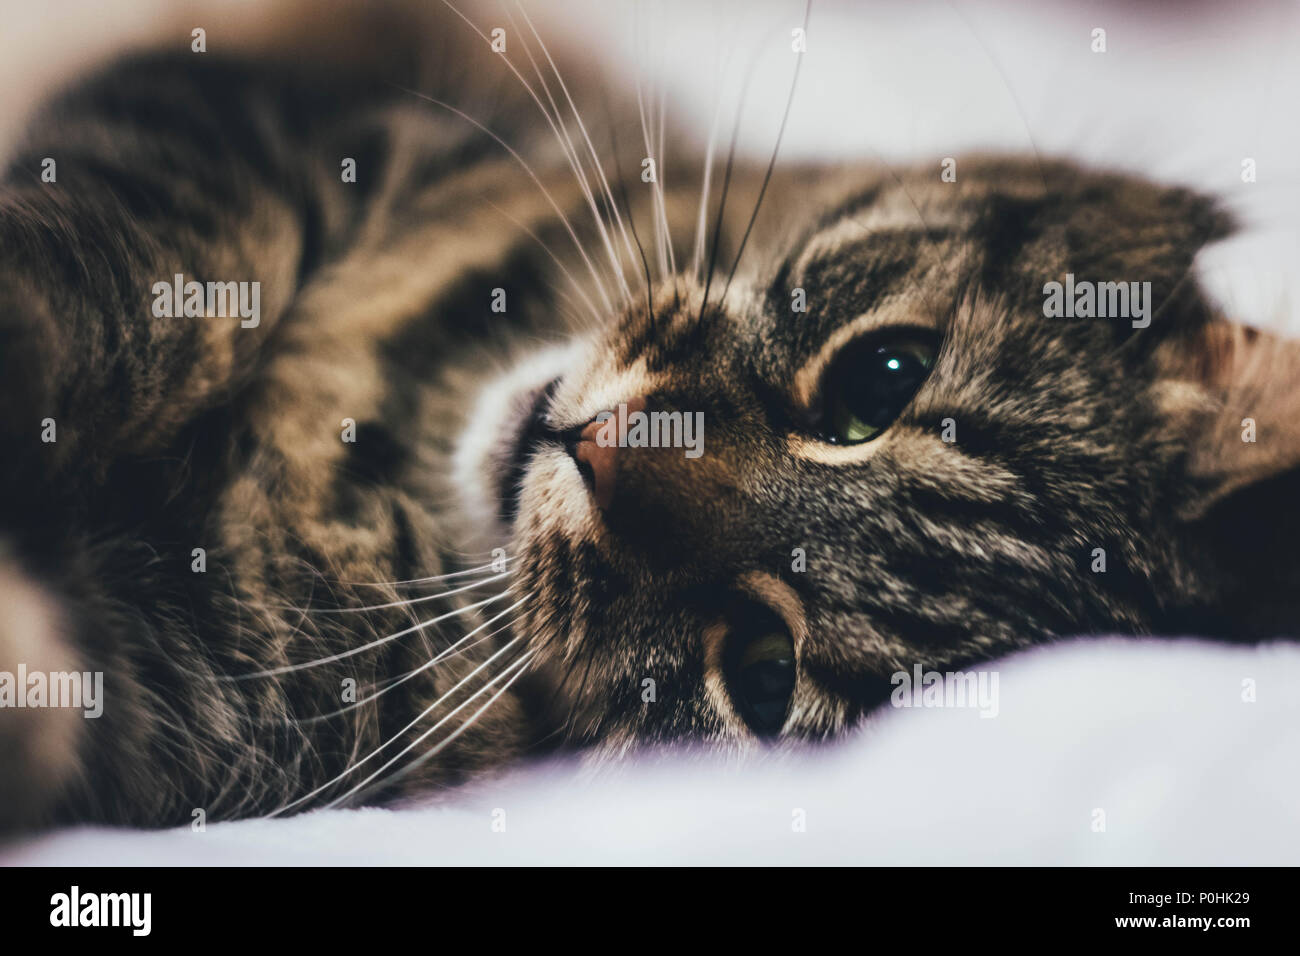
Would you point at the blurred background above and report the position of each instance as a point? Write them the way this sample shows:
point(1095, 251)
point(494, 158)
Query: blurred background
point(1184, 92)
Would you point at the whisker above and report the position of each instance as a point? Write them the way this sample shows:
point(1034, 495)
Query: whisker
point(645, 136)
point(577, 169)
point(352, 652)
point(722, 205)
point(582, 127)
point(449, 652)
point(397, 736)
point(659, 180)
point(767, 176)
point(482, 569)
point(572, 155)
point(631, 219)
point(520, 665)
point(726, 178)
point(547, 249)
point(570, 310)
point(406, 602)
point(702, 220)
point(568, 226)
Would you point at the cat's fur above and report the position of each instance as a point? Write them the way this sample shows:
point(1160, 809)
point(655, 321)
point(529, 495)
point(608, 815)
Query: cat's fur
point(175, 434)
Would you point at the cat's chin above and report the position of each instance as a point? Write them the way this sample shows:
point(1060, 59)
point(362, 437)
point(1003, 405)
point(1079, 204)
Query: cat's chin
point(502, 431)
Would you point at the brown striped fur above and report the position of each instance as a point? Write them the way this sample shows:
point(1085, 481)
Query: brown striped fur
point(175, 433)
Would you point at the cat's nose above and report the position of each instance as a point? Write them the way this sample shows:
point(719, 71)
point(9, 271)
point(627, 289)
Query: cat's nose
point(598, 448)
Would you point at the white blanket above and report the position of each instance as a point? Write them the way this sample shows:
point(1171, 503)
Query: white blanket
point(1102, 752)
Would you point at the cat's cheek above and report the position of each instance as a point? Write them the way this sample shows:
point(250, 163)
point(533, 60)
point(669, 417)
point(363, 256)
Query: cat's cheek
point(484, 449)
point(556, 516)
point(554, 500)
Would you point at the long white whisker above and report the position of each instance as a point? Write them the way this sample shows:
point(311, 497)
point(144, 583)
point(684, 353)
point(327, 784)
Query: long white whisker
point(659, 169)
point(564, 270)
point(577, 170)
point(582, 127)
point(352, 652)
point(631, 217)
point(571, 153)
point(397, 736)
point(519, 664)
point(570, 310)
point(568, 226)
point(449, 651)
point(406, 602)
point(491, 566)
point(522, 665)
point(662, 259)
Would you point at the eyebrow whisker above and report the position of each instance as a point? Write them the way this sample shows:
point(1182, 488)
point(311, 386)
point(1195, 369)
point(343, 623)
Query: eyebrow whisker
point(776, 149)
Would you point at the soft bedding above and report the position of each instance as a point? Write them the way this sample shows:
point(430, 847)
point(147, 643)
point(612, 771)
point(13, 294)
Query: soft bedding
point(1101, 752)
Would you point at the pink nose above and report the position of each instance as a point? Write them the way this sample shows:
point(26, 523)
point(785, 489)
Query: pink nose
point(598, 448)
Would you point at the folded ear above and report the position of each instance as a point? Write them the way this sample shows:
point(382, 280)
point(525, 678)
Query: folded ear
point(1232, 395)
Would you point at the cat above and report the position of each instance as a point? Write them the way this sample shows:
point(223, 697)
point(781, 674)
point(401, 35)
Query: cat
point(384, 539)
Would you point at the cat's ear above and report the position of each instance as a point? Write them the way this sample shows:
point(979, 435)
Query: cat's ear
point(1232, 395)
point(1119, 226)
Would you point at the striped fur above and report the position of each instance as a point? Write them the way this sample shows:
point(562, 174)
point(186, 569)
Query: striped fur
point(1071, 435)
point(178, 434)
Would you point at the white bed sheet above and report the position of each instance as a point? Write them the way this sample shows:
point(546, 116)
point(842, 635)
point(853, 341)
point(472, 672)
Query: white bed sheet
point(1154, 733)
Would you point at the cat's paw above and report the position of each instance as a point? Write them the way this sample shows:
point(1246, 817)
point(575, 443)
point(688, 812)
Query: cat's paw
point(38, 742)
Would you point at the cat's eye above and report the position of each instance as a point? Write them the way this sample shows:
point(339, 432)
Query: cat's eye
point(761, 673)
point(871, 381)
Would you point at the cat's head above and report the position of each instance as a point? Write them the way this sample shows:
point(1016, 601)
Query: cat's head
point(886, 454)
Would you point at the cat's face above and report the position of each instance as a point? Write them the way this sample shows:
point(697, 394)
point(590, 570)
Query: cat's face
point(916, 467)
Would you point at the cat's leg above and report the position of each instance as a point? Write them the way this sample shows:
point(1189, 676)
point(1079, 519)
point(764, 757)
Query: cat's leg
point(38, 745)
point(160, 167)
point(154, 170)
point(139, 438)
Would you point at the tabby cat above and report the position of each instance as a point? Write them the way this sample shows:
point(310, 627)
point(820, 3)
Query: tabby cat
point(370, 542)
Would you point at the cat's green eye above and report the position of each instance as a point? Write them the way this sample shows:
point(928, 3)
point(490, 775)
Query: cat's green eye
point(870, 383)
